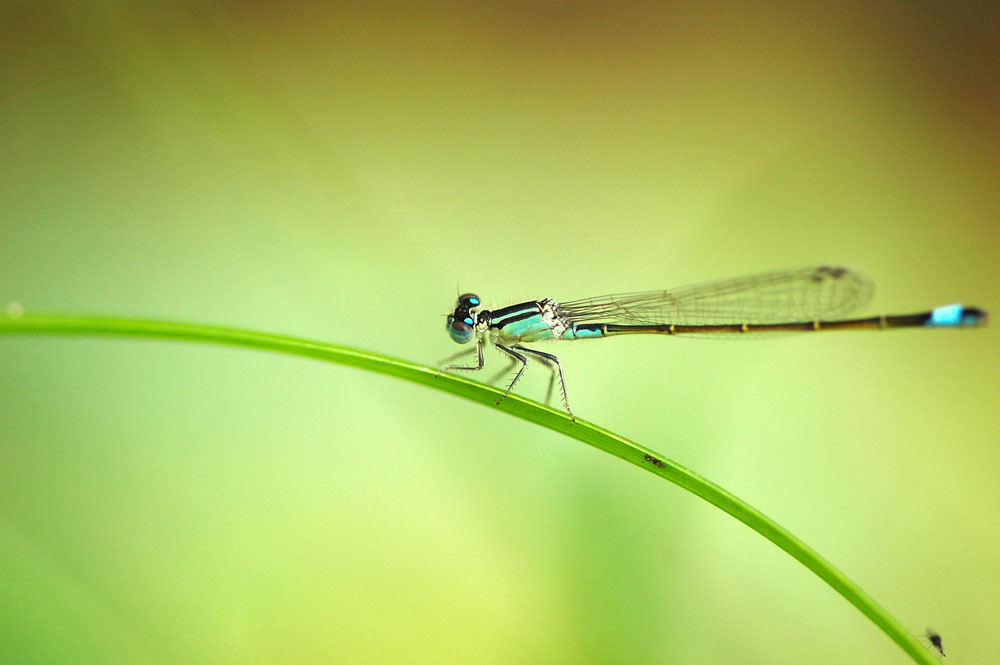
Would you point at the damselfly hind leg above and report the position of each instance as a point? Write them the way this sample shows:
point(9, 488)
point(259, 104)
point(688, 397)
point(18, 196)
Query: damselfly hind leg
point(552, 362)
point(552, 380)
point(545, 361)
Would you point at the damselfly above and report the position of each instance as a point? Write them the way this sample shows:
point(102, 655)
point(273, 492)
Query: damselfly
point(805, 299)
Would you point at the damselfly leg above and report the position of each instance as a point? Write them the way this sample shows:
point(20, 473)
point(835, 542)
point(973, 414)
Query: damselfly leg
point(552, 362)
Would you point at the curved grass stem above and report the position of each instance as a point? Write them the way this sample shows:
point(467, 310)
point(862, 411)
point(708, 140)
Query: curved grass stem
point(515, 405)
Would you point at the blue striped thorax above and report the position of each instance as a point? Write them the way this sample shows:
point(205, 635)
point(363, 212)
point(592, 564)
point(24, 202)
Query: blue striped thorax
point(530, 321)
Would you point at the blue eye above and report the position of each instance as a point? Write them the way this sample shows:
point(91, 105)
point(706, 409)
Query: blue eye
point(460, 331)
point(468, 300)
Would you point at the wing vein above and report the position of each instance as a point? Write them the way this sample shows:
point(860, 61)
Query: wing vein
point(785, 296)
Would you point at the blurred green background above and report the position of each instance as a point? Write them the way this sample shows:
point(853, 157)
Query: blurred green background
point(339, 173)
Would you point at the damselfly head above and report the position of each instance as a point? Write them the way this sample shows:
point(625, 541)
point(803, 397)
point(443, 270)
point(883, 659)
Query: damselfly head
point(462, 323)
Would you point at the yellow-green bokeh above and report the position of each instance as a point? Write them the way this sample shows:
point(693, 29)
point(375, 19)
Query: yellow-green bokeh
point(340, 173)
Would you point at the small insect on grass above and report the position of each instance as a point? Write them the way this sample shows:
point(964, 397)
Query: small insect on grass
point(658, 463)
point(934, 638)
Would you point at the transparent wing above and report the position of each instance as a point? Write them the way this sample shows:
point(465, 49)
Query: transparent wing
point(785, 296)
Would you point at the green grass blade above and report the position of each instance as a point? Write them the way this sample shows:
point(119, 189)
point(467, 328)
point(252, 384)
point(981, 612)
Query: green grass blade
point(514, 405)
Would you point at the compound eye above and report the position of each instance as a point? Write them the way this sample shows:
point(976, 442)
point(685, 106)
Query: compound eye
point(468, 300)
point(460, 330)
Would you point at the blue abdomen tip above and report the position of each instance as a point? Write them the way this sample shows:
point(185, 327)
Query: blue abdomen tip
point(956, 315)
